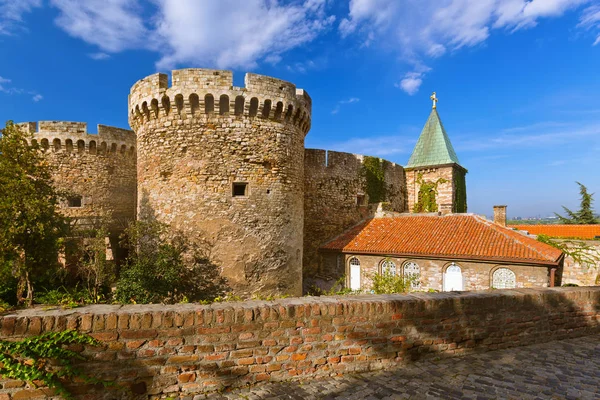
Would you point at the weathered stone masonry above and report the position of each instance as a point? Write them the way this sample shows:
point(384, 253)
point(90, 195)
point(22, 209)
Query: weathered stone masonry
point(160, 350)
point(98, 168)
point(226, 166)
point(200, 138)
point(336, 198)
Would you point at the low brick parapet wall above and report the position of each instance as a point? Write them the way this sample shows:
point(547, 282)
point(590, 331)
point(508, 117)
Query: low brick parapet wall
point(155, 350)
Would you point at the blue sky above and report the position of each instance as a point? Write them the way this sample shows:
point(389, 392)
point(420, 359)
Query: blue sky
point(518, 80)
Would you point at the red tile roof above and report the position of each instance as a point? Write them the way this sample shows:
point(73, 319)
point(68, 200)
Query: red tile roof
point(463, 236)
point(562, 231)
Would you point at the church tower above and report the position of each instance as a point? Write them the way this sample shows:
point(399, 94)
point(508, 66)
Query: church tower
point(434, 177)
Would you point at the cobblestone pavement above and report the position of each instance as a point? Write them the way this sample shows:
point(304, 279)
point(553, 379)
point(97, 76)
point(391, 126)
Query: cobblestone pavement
point(568, 369)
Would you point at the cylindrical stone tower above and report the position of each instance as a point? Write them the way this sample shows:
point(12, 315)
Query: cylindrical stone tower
point(224, 165)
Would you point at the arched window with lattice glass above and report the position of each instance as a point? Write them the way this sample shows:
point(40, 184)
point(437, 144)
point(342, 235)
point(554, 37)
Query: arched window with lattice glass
point(388, 266)
point(504, 278)
point(412, 272)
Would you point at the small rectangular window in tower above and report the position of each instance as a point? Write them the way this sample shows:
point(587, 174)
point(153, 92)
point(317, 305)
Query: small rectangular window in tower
point(74, 201)
point(240, 189)
point(361, 200)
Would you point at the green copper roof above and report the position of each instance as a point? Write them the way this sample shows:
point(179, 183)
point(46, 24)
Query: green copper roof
point(433, 147)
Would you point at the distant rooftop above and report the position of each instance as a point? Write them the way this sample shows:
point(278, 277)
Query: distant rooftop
point(454, 236)
point(562, 231)
point(433, 146)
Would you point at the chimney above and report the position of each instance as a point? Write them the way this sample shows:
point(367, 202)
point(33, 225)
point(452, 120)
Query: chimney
point(500, 215)
point(445, 209)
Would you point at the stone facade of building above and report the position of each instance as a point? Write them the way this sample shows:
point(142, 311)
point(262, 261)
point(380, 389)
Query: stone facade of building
point(451, 180)
point(476, 275)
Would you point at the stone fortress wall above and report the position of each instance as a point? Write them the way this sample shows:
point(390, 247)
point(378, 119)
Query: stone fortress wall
point(98, 168)
point(336, 198)
point(197, 139)
point(224, 165)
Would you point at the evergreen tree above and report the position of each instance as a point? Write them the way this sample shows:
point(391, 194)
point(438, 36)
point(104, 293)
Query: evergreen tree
point(585, 215)
point(30, 226)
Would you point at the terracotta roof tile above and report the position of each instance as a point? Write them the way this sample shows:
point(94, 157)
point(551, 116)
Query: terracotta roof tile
point(464, 236)
point(562, 231)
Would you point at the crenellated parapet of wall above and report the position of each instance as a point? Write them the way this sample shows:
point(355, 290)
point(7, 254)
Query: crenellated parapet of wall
point(336, 197)
point(99, 168)
point(224, 165)
point(155, 351)
point(195, 92)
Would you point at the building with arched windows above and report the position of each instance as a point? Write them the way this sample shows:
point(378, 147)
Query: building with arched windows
point(452, 252)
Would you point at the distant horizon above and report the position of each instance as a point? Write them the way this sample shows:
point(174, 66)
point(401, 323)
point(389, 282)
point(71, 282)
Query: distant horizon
point(517, 83)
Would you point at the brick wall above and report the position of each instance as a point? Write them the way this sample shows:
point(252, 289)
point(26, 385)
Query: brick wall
point(184, 349)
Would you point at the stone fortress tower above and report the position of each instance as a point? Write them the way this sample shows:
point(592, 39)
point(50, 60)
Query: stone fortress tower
point(224, 165)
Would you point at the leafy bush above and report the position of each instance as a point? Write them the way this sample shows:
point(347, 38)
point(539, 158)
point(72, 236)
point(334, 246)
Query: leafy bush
point(388, 283)
point(65, 297)
point(163, 269)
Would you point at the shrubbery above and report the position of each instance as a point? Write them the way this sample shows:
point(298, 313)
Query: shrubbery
point(164, 269)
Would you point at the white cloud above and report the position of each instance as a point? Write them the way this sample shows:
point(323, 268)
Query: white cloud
point(233, 33)
point(376, 146)
point(421, 29)
point(11, 14)
point(411, 83)
point(590, 20)
point(222, 34)
point(99, 56)
point(2, 82)
point(112, 25)
point(539, 135)
point(340, 103)
point(5, 87)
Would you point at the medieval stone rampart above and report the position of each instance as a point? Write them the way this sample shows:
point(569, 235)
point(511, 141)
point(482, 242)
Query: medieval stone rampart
point(157, 350)
point(224, 165)
point(97, 170)
point(336, 197)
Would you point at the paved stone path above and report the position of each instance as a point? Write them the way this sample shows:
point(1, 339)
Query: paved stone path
point(568, 369)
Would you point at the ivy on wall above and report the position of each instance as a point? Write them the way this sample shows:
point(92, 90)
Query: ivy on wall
point(427, 198)
point(460, 192)
point(374, 173)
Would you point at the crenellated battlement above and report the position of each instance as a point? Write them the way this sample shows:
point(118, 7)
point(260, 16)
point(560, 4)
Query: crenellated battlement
point(208, 93)
point(73, 137)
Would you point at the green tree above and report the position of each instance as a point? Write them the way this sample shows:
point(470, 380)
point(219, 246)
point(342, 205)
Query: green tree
point(30, 226)
point(585, 215)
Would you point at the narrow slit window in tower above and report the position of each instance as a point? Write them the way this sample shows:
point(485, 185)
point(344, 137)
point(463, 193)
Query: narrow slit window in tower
point(240, 189)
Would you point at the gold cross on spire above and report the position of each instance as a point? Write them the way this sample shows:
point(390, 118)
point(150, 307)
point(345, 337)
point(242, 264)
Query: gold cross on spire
point(435, 100)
